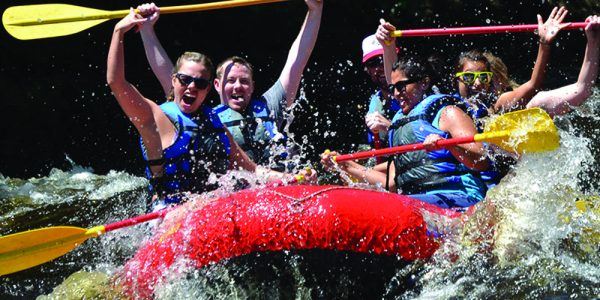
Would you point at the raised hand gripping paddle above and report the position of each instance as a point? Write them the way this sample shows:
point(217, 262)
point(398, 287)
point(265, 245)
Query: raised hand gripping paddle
point(23, 250)
point(38, 21)
point(477, 30)
point(529, 130)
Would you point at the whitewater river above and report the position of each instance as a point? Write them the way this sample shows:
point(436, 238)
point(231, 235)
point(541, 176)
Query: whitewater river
point(527, 240)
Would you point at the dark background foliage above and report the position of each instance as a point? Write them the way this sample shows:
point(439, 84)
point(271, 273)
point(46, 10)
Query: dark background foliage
point(56, 103)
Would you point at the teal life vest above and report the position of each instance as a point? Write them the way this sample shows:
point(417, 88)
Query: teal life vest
point(201, 148)
point(253, 131)
point(420, 172)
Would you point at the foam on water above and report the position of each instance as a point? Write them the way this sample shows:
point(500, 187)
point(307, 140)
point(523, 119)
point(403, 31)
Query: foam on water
point(528, 239)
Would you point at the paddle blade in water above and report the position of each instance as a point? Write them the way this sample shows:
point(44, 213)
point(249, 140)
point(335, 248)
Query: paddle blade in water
point(29, 22)
point(24, 250)
point(529, 130)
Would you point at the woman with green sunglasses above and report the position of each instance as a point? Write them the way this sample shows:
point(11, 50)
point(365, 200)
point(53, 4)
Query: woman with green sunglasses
point(481, 78)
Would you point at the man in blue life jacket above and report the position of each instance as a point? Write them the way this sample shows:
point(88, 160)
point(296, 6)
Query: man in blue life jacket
point(255, 123)
point(382, 105)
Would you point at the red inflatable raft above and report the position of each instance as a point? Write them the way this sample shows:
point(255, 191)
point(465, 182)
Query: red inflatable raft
point(333, 218)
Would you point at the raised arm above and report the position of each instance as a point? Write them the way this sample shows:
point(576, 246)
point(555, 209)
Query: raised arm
point(547, 31)
point(139, 109)
point(301, 50)
point(388, 42)
point(559, 101)
point(155, 53)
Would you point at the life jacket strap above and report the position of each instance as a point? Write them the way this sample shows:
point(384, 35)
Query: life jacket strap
point(159, 184)
point(247, 120)
point(156, 162)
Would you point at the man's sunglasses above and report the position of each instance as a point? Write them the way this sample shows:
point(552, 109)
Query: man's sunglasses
point(374, 62)
point(401, 85)
point(470, 77)
point(199, 82)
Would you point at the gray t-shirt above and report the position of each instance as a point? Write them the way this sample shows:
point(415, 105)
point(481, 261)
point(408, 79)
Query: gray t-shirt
point(276, 102)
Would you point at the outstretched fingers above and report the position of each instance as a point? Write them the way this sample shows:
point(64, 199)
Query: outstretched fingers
point(561, 14)
point(548, 30)
point(553, 13)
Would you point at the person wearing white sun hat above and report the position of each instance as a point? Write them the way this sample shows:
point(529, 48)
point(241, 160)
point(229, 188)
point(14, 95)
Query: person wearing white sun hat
point(382, 105)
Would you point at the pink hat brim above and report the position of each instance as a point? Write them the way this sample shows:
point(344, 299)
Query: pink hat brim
point(372, 54)
point(375, 53)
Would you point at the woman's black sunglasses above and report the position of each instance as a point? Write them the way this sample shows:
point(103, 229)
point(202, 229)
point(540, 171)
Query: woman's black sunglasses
point(199, 82)
point(401, 85)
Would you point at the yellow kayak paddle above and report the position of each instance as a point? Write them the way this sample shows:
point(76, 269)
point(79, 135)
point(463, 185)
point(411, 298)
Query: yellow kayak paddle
point(529, 130)
point(23, 250)
point(28, 22)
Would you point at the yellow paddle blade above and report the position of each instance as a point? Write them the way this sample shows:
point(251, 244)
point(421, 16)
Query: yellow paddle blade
point(529, 130)
point(50, 20)
point(24, 250)
point(38, 21)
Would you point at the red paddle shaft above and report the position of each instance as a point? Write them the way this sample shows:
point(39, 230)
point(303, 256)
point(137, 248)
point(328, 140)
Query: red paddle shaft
point(161, 213)
point(476, 30)
point(403, 148)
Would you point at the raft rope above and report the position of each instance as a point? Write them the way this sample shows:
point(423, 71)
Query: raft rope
point(296, 203)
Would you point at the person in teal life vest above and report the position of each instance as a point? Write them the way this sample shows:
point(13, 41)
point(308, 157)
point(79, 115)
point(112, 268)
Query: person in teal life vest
point(449, 177)
point(561, 100)
point(183, 140)
point(382, 105)
point(255, 123)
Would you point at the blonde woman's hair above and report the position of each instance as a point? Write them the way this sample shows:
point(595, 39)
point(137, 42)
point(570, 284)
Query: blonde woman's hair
point(500, 81)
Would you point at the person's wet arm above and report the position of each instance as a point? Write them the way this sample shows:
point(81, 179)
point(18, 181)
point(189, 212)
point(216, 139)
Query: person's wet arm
point(301, 50)
point(547, 31)
point(140, 110)
point(374, 176)
point(559, 101)
point(388, 42)
point(458, 124)
point(157, 57)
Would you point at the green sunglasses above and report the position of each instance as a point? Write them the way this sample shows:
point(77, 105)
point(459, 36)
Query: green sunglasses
point(470, 77)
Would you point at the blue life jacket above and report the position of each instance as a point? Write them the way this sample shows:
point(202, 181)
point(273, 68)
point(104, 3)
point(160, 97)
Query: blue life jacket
point(254, 131)
point(420, 172)
point(386, 108)
point(477, 112)
point(201, 148)
point(495, 173)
